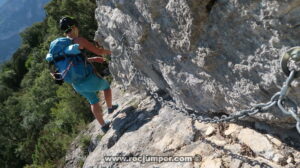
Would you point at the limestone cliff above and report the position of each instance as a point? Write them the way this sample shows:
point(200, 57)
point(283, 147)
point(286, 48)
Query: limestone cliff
point(141, 127)
point(212, 56)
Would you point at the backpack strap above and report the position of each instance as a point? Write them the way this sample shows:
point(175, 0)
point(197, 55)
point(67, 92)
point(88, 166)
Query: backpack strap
point(54, 74)
point(63, 57)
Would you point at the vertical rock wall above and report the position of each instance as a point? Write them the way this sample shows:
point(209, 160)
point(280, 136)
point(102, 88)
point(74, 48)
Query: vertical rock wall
point(209, 55)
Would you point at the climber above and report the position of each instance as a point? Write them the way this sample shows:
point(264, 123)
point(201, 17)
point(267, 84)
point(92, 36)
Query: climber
point(93, 83)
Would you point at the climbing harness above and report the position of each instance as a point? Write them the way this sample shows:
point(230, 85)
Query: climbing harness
point(280, 98)
point(61, 76)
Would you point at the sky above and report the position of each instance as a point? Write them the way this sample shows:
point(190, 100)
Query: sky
point(2, 2)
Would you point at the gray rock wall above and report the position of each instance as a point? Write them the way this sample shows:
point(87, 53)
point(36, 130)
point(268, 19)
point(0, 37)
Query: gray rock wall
point(141, 127)
point(209, 55)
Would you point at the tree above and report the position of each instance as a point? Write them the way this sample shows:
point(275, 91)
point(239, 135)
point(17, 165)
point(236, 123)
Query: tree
point(38, 118)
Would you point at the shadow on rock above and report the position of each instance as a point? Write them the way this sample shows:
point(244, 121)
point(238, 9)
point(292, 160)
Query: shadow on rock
point(129, 120)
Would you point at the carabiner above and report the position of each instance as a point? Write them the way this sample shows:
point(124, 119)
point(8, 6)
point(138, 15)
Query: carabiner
point(292, 53)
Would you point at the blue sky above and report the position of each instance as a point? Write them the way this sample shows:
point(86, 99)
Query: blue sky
point(2, 2)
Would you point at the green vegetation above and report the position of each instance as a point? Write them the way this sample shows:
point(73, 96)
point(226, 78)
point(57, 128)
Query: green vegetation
point(39, 119)
point(85, 141)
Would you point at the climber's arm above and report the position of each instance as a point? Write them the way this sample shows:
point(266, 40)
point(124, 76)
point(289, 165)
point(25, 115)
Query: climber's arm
point(96, 59)
point(85, 44)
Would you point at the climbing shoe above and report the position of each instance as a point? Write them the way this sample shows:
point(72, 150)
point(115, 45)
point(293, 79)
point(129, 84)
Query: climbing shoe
point(112, 109)
point(105, 127)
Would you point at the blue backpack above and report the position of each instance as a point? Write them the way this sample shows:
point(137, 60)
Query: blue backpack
point(70, 65)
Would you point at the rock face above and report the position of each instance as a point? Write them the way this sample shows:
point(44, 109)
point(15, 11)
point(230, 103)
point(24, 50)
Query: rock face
point(141, 127)
point(209, 55)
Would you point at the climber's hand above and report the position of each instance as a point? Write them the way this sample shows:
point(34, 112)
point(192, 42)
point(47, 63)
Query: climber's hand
point(107, 52)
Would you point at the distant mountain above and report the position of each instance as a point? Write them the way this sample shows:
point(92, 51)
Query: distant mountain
point(15, 16)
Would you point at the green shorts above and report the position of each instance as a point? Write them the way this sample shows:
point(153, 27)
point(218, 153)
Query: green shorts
point(89, 88)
